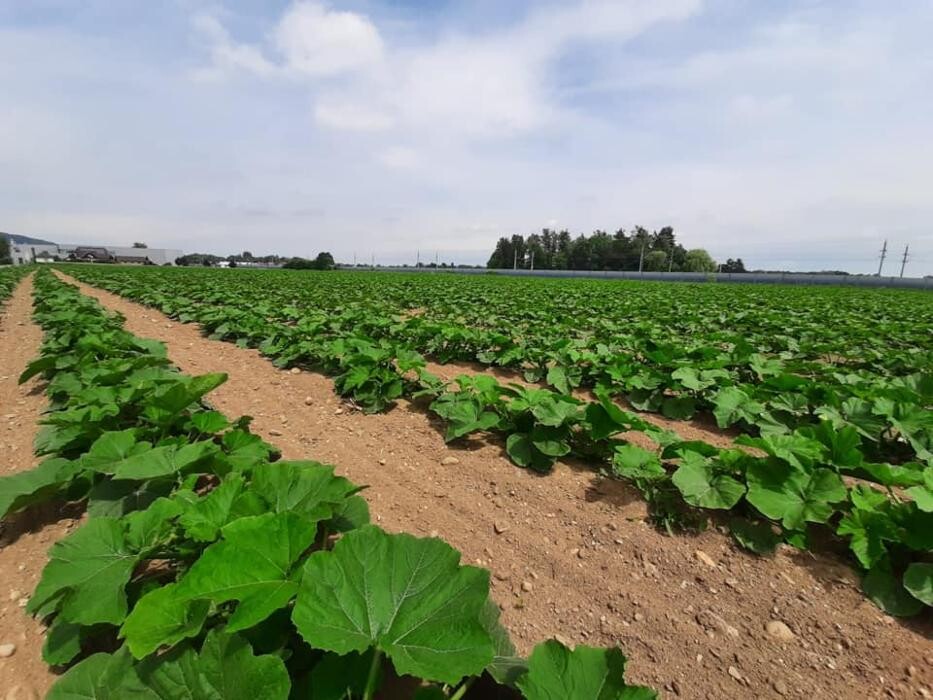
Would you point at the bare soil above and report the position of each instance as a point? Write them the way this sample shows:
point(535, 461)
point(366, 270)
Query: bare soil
point(571, 554)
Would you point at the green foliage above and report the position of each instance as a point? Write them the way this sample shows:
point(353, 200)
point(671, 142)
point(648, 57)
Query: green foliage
point(556, 673)
point(200, 548)
point(826, 383)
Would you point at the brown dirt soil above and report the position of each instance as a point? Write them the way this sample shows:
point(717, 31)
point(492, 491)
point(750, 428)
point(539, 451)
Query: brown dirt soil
point(25, 538)
point(571, 554)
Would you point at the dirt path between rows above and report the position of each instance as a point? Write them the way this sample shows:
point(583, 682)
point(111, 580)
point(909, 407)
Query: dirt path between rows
point(571, 554)
point(24, 539)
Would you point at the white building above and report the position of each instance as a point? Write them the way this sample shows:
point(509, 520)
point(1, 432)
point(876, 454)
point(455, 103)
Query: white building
point(24, 253)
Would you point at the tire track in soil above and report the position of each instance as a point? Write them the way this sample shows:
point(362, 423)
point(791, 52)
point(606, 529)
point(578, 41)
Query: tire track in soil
point(570, 553)
point(26, 537)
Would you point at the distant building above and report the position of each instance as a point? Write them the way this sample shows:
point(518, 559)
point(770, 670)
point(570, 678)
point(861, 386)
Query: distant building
point(25, 250)
point(88, 254)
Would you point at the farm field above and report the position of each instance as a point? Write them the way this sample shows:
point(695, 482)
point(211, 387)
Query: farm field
point(732, 484)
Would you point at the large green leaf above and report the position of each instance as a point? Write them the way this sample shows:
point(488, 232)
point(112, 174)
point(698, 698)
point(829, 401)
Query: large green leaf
point(557, 673)
point(22, 489)
point(918, 580)
point(111, 450)
point(162, 617)
point(163, 461)
point(87, 573)
point(101, 677)
point(309, 488)
point(253, 565)
point(888, 593)
point(408, 597)
point(703, 486)
point(225, 669)
point(792, 495)
point(636, 463)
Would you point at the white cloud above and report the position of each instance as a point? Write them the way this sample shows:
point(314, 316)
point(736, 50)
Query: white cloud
point(228, 55)
point(399, 158)
point(338, 113)
point(321, 42)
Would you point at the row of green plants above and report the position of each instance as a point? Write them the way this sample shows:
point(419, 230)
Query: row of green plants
point(9, 278)
point(775, 487)
point(763, 360)
point(209, 568)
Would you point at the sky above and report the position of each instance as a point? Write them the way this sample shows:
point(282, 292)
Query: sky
point(794, 134)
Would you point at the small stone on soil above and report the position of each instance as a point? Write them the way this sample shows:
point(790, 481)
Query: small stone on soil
point(308, 401)
point(275, 433)
point(500, 528)
point(295, 370)
point(779, 630)
point(450, 461)
point(7, 650)
point(705, 558)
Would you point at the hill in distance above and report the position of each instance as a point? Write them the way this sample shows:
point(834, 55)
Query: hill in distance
point(25, 240)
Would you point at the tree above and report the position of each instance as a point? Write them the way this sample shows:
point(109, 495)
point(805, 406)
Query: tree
point(656, 261)
point(5, 258)
point(733, 265)
point(246, 255)
point(501, 257)
point(324, 261)
point(698, 260)
point(140, 245)
point(299, 264)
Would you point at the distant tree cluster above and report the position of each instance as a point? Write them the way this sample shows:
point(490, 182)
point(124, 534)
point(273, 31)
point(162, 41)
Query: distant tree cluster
point(5, 258)
point(651, 251)
point(323, 261)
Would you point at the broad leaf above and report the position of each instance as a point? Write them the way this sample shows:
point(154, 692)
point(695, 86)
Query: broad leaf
point(792, 495)
point(86, 573)
point(557, 673)
point(408, 597)
point(699, 483)
point(918, 580)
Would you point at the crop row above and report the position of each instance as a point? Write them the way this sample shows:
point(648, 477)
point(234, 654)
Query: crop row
point(209, 568)
point(819, 474)
point(763, 360)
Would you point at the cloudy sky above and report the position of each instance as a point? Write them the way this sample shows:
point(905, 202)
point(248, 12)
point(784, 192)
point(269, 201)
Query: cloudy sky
point(795, 134)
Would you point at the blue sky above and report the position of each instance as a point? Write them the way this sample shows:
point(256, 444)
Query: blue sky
point(795, 134)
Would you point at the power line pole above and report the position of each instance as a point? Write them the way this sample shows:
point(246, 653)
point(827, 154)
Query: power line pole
point(372, 260)
point(641, 258)
point(904, 259)
point(515, 259)
point(532, 261)
point(670, 263)
point(884, 253)
point(354, 258)
point(418, 256)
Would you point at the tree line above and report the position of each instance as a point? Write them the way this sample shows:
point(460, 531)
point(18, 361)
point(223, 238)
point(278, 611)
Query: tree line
point(323, 261)
point(638, 249)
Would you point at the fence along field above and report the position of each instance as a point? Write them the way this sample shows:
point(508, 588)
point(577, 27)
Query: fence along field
point(829, 388)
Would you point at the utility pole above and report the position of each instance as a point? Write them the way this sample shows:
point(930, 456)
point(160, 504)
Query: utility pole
point(372, 260)
point(418, 258)
point(884, 253)
point(435, 258)
point(904, 259)
point(515, 259)
point(354, 258)
point(670, 263)
point(532, 261)
point(641, 258)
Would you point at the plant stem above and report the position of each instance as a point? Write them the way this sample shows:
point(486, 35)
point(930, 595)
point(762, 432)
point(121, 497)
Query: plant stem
point(373, 676)
point(465, 686)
